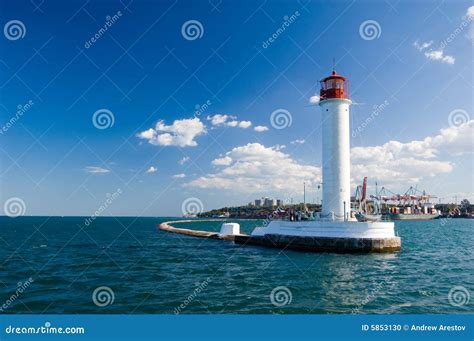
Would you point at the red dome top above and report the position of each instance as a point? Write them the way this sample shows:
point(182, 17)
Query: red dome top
point(334, 86)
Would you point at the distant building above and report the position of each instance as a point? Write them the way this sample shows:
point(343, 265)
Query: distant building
point(266, 202)
point(269, 202)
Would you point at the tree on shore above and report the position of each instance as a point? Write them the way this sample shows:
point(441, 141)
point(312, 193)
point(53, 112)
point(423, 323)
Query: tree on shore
point(465, 206)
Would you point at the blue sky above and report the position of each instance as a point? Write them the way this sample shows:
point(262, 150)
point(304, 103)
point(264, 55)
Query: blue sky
point(163, 86)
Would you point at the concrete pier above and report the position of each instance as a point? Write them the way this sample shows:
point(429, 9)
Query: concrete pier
point(166, 226)
point(323, 244)
point(301, 243)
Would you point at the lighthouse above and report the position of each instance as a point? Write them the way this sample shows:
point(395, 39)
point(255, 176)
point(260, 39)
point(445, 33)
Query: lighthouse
point(332, 229)
point(335, 103)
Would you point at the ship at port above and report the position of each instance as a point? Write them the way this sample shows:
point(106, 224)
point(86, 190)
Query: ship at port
point(413, 205)
point(386, 205)
point(423, 211)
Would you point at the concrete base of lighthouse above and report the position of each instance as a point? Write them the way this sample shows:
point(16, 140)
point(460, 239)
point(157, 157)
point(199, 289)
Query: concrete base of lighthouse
point(326, 236)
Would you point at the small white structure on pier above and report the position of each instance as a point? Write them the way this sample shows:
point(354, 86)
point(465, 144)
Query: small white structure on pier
point(229, 229)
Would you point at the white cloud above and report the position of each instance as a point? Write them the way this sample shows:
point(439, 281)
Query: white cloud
point(470, 12)
point(181, 133)
point(400, 171)
point(457, 140)
point(470, 17)
point(314, 99)
point(223, 161)
point(260, 129)
point(152, 169)
point(228, 120)
point(434, 54)
point(298, 141)
point(245, 124)
point(179, 176)
point(183, 160)
point(422, 46)
point(218, 119)
point(96, 170)
point(147, 134)
point(398, 162)
point(233, 124)
point(254, 168)
point(439, 55)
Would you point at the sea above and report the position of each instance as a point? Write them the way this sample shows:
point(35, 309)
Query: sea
point(125, 265)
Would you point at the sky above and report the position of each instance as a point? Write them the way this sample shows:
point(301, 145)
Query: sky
point(152, 108)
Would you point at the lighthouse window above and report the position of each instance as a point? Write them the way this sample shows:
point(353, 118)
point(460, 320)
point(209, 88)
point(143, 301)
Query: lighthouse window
point(334, 84)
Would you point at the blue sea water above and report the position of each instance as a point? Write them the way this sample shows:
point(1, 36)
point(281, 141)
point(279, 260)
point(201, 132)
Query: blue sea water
point(150, 271)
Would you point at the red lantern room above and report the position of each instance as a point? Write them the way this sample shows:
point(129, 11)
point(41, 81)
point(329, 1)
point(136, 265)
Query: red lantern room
point(334, 86)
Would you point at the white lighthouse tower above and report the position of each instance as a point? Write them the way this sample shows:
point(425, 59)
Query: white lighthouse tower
point(333, 229)
point(334, 103)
